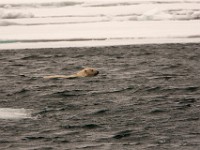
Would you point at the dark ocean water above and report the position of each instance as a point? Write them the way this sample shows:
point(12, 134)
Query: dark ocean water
point(145, 97)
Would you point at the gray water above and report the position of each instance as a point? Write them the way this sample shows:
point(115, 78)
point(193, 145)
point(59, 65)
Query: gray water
point(145, 97)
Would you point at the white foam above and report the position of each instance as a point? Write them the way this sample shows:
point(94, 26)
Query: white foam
point(7, 23)
point(11, 113)
point(15, 14)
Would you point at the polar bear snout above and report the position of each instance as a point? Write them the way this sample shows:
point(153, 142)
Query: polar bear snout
point(97, 72)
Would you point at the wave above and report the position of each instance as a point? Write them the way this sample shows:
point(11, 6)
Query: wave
point(7, 23)
point(51, 40)
point(122, 134)
point(150, 15)
point(172, 14)
point(86, 3)
point(113, 4)
point(15, 14)
point(40, 5)
point(92, 39)
point(171, 89)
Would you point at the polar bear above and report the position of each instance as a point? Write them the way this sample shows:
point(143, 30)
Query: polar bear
point(87, 72)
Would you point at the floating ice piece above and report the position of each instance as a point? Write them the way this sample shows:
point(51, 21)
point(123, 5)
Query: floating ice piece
point(11, 113)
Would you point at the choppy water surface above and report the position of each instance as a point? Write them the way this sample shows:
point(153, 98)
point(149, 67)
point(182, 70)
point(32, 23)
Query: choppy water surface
point(145, 97)
point(78, 23)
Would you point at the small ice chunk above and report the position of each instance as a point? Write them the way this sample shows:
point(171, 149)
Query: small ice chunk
point(11, 113)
